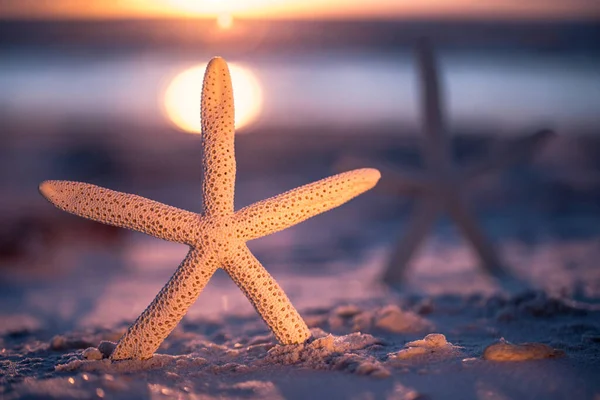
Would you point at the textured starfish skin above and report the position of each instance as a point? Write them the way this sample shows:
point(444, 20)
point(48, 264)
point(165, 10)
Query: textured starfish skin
point(442, 184)
point(217, 237)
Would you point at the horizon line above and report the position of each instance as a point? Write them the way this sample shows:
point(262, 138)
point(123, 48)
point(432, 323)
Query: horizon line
point(329, 18)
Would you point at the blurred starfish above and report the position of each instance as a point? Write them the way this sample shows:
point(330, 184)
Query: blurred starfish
point(217, 237)
point(441, 186)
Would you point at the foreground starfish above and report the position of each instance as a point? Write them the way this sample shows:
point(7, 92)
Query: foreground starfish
point(441, 186)
point(217, 237)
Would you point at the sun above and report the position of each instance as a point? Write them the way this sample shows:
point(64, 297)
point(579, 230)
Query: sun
point(181, 100)
point(225, 21)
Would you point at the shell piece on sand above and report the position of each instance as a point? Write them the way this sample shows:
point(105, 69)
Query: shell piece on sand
point(505, 351)
point(430, 344)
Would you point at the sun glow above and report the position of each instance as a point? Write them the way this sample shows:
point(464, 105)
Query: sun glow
point(312, 9)
point(182, 97)
point(216, 7)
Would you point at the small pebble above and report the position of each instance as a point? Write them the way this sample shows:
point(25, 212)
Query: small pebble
point(347, 311)
point(393, 319)
point(92, 353)
point(58, 342)
point(106, 348)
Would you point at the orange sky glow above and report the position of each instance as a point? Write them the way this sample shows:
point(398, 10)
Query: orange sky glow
point(317, 9)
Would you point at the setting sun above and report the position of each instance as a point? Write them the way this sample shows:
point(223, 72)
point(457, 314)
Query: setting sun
point(182, 97)
point(225, 21)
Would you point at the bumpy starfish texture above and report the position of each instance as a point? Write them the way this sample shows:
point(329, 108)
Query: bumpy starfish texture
point(441, 185)
point(217, 237)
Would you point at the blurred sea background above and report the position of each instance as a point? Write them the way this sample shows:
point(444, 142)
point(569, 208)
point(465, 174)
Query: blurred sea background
point(88, 100)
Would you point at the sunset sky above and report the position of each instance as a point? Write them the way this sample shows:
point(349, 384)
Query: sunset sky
point(298, 8)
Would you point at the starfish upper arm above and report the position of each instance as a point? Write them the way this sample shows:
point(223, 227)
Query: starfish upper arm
point(433, 121)
point(289, 208)
point(218, 162)
point(120, 209)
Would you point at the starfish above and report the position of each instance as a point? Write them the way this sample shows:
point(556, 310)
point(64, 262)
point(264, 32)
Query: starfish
point(217, 237)
point(441, 186)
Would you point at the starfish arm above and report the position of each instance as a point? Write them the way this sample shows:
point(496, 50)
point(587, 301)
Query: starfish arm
point(437, 148)
point(218, 160)
point(467, 223)
point(419, 225)
point(121, 209)
point(400, 182)
point(513, 152)
point(168, 308)
point(292, 207)
point(267, 297)
point(393, 181)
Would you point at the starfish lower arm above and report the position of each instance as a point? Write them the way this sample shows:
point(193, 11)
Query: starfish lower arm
point(466, 222)
point(419, 225)
point(267, 297)
point(121, 209)
point(289, 208)
point(168, 308)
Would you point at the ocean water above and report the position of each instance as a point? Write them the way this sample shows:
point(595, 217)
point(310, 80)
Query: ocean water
point(513, 90)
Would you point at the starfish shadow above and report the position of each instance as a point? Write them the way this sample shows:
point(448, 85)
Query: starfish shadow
point(441, 185)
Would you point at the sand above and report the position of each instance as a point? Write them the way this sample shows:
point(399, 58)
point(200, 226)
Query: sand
point(469, 341)
point(449, 332)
